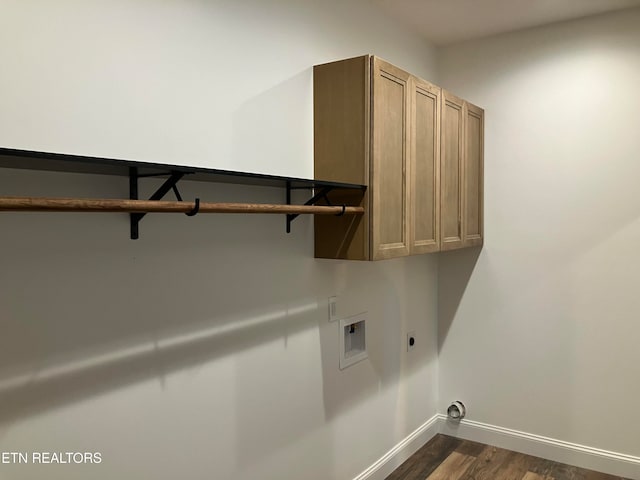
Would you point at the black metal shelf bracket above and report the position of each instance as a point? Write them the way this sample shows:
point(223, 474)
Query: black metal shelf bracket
point(324, 191)
point(168, 185)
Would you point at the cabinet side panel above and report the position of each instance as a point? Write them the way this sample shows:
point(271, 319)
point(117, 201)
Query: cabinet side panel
point(340, 110)
point(341, 103)
point(472, 227)
point(424, 168)
point(389, 176)
point(451, 173)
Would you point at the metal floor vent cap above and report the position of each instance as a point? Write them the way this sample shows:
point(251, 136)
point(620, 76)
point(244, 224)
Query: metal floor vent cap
point(456, 410)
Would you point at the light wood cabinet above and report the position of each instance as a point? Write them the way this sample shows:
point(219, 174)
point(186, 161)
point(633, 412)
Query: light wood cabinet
point(378, 125)
point(390, 150)
point(425, 167)
point(461, 174)
point(473, 192)
point(451, 167)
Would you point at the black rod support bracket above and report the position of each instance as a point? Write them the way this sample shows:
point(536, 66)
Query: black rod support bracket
point(312, 201)
point(168, 185)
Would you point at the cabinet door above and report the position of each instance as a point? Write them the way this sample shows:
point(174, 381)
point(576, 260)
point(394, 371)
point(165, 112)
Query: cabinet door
point(472, 219)
point(425, 161)
point(389, 208)
point(451, 166)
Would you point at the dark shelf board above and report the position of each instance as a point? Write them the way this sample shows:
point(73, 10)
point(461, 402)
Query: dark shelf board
point(59, 162)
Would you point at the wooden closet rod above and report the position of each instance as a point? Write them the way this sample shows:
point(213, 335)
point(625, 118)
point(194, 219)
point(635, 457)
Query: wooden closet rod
point(37, 204)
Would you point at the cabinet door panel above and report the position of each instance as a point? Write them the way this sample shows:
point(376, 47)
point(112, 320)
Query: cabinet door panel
point(472, 228)
point(451, 172)
point(425, 159)
point(389, 173)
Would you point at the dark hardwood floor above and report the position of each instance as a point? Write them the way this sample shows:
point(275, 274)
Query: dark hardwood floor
point(449, 458)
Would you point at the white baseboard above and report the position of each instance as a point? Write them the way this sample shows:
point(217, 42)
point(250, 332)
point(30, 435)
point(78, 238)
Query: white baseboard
point(403, 450)
point(582, 456)
point(613, 463)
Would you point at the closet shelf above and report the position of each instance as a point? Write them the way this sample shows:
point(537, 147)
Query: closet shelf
point(135, 171)
point(60, 162)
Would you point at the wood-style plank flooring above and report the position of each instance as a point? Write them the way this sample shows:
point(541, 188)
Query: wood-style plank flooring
point(449, 458)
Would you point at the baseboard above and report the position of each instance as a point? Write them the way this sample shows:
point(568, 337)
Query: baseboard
point(605, 461)
point(403, 450)
point(582, 456)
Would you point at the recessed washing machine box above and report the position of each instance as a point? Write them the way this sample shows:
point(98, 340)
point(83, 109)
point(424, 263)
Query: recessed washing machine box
point(353, 340)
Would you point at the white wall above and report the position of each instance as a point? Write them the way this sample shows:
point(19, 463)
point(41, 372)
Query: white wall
point(201, 350)
point(208, 83)
point(539, 333)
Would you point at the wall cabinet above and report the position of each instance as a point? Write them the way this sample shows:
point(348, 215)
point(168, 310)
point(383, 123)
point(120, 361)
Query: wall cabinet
point(451, 172)
point(390, 170)
point(473, 192)
point(377, 125)
point(425, 167)
point(461, 178)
